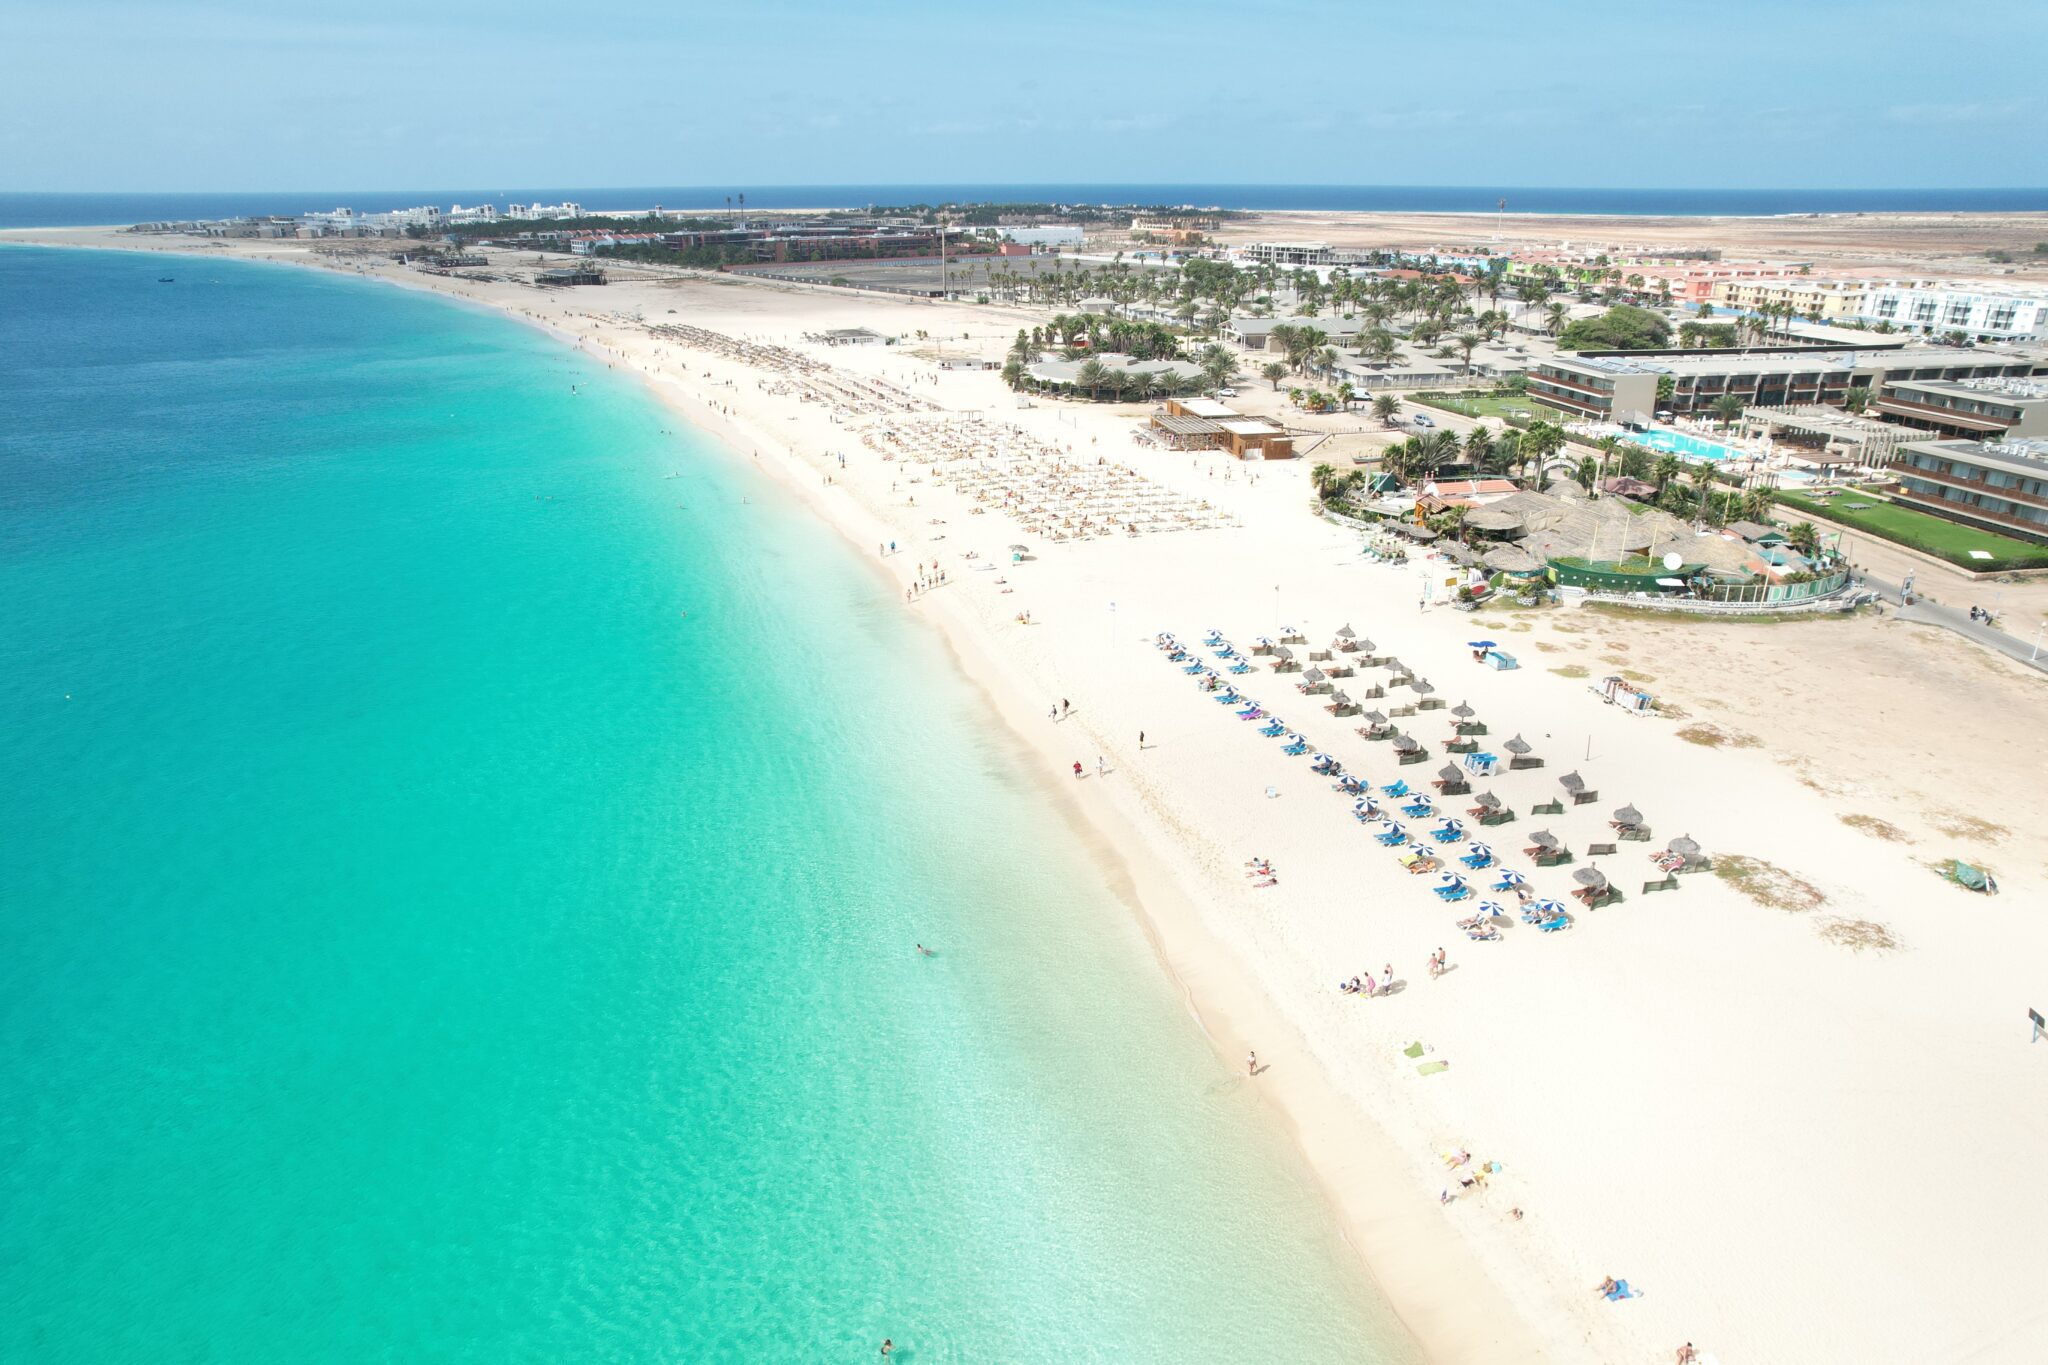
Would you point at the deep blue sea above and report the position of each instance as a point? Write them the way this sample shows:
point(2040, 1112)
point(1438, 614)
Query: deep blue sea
point(420, 940)
point(64, 210)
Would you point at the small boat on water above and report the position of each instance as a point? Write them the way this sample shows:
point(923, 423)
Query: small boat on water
point(165, 279)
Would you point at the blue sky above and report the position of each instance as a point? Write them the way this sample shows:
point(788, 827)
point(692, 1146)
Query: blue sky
point(120, 95)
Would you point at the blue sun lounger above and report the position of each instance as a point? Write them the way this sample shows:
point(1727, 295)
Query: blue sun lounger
point(1398, 787)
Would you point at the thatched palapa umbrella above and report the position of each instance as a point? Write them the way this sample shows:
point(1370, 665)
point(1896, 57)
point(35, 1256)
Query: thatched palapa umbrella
point(1543, 838)
point(1463, 711)
point(1424, 686)
point(1451, 772)
point(1344, 632)
point(1517, 745)
point(1590, 877)
point(1685, 848)
point(1487, 801)
point(1313, 675)
point(1572, 783)
point(1628, 817)
point(1375, 718)
point(1406, 744)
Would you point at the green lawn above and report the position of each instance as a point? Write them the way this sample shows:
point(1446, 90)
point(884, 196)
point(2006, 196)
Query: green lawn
point(1950, 540)
point(1502, 406)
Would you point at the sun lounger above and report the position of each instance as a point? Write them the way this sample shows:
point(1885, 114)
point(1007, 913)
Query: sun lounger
point(1397, 787)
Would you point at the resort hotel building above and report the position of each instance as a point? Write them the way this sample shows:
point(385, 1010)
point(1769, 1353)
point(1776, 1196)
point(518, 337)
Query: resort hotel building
point(2002, 487)
point(1630, 387)
point(1968, 409)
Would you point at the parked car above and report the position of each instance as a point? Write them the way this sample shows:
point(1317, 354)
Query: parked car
point(1226, 393)
point(1422, 421)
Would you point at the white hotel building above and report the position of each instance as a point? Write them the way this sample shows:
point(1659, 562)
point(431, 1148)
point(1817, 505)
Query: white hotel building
point(1980, 310)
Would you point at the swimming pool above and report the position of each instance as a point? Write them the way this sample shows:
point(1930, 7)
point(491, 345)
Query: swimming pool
point(1684, 446)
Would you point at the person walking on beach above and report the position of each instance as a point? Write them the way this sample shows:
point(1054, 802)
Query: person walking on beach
point(1077, 767)
point(1065, 706)
point(1101, 766)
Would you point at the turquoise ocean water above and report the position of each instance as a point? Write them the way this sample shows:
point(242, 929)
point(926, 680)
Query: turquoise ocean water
point(420, 941)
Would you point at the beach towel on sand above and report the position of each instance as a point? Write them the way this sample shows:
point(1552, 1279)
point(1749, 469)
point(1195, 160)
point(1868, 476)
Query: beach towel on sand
point(1412, 1050)
point(1431, 1068)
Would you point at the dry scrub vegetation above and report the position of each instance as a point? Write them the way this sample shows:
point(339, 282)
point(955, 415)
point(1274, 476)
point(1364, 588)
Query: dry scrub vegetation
point(1768, 884)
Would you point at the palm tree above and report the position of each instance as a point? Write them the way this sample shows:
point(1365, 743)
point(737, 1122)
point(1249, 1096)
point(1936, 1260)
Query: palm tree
point(1856, 399)
point(1345, 393)
point(1554, 315)
point(1273, 373)
point(1326, 360)
point(1091, 376)
point(1324, 479)
point(1387, 408)
point(1478, 442)
point(1013, 373)
point(1467, 342)
point(1727, 408)
point(1804, 537)
point(1664, 471)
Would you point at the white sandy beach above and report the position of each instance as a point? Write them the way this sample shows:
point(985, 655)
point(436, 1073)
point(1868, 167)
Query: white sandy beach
point(1797, 1149)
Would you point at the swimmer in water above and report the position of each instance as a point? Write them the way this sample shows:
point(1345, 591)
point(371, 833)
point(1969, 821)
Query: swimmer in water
point(923, 951)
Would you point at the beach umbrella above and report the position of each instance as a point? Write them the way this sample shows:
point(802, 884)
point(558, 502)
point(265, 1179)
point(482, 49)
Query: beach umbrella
point(1463, 711)
point(1405, 744)
point(1293, 738)
point(1424, 687)
point(1543, 838)
point(1367, 645)
point(1591, 877)
point(1392, 827)
point(1450, 879)
point(1021, 549)
point(1365, 803)
point(1510, 877)
point(1572, 783)
point(1313, 675)
point(1486, 801)
point(1321, 758)
point(1517, 745)
point(1549, 907)
point(1628, 815)
point(1479, 644)
point(1344, 632)
point(1684, 847)
point(1282, 652)
point(1492, 910)
point(1479, 850)
point(1375, 718)
point(1450, 773)
point(1340, 699)
point(1263, 641)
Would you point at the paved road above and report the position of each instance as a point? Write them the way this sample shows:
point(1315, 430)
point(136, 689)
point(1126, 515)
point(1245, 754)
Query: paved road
point(1958, 620)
